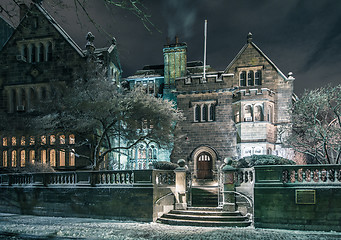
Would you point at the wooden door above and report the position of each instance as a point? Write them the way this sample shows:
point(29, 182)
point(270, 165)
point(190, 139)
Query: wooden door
point(204, 166)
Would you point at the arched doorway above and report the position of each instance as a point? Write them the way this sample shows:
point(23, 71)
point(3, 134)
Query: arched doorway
point(204, 166)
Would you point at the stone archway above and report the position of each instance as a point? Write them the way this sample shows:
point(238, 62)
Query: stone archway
point(204, 159)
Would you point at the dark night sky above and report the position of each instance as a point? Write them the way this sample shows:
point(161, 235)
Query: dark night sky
point(302, 36)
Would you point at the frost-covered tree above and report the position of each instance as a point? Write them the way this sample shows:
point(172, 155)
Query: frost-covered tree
point(316, 125)
point(105, 117)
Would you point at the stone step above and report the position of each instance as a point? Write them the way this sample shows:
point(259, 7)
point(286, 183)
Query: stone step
point(206, 217)
point(203, 223)
point(205, 213)
point(210, 209)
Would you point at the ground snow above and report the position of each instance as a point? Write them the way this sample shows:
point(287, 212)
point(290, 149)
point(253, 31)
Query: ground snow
point(33, 227)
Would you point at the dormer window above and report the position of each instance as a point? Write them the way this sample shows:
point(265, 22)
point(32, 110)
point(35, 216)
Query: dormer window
point(253, 78)
point(250, 78)
point(258, 78)
point(242, 78)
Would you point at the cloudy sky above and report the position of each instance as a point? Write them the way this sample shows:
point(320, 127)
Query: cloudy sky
point(301, 36)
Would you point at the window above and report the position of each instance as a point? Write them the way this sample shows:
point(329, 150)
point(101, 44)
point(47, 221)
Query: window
point(22, 158)
point(258, 113)
point(33, 53)
point(258, 78)
point(62, 158)
point(24, 52)
point(43, 156)
point(41, 52)
point(14, 158)
point(250, 80)
point(242, 79)
point(211, 113)
point(72, 158)
point(4, 141)
point(14, 141)
point(62, 139)
point(43, 140)
point(204, 113)
point(32, 156)
point(4, 159)
point(52, 157)
point(248, 113)
point(49, 52)
point(22, 141)
point(141, 153)
point(197, 114)
point(72, 139)
point(32, 140)
point(52, 139)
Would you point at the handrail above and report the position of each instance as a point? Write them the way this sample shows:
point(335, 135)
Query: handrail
point(241, 194)
point(159, 199)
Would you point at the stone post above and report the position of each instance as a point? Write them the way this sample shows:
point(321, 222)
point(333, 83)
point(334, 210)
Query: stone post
point(180, 186)
point(229, 199)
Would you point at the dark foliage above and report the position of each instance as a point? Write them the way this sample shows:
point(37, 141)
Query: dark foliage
point(163, 165)
point(257, 160)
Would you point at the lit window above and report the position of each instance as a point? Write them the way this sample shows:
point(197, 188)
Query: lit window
point(14, 158)
point(14, 141)
point(52, 157)
point(22, 158)
point(52, 139)
point(72, 139)
point(242, 79)
point(62, 139)
point(4, 158)
point(43, 140)
point(62, 158)
point(72, 159)
point(43, 156)
point(32, 156)
point(32, 140)
point(4, 141)
point(258, 78)
point(22, 141)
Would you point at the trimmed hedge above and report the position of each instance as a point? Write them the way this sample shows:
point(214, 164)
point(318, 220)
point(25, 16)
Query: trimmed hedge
point(257, 160)
point(164, 165)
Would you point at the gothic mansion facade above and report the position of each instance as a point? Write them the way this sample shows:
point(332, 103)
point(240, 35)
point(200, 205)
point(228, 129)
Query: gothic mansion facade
point(233, 113)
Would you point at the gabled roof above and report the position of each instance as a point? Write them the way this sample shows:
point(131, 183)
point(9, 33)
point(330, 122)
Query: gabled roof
point(261, 53)
point(6, 30)
point(59, 29)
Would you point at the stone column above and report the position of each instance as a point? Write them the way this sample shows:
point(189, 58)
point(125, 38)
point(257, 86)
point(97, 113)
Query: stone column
point(180, 186)
point(229, 200)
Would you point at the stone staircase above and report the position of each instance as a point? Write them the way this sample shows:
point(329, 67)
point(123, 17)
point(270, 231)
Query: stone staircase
point(205, 217)
point(205, 196)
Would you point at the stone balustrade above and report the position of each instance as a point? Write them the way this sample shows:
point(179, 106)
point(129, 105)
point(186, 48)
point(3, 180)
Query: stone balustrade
point(91, 178)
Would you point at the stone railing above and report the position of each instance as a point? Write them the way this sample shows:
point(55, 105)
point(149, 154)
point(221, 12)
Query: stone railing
point(311, 174)
point(91, 178)
point(244, 176)
point(298, 174)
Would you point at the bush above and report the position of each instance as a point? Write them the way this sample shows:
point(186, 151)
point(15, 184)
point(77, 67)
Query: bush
point(163, 165)
point(258, 160)
point(36, 167)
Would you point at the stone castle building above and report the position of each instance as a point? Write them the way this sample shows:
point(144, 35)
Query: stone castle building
point(38, 58)
point(233, 113)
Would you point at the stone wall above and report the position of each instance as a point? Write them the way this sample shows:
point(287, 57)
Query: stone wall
point(298, 197)
point(142, 195)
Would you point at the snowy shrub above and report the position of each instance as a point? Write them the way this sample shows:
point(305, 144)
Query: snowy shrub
point(257, 160)
point(163, 165)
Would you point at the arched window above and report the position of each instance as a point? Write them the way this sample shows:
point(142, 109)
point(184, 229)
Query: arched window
point(49, 52)
point(62, 139)
point(4, 159)
point(242, 79)
point(62, 158)
point(14, 158)
point(141, 152)
point(43, 140)
point(197, 114)
point(250, 80)
point(22, 158)
point(4, 141)
point(43, 156)
point(24, 52)
point(258, 78)
point(32, 156)
point(248, 113)
point(22, 141)
point(258, 113)
point(52, 139)
point(52, 157)
point(150, 153)
point(23, 98)
point(72, 139)
point(212, 112)
point(14, 141)
point(72, 158)
point(41, 52)
point(204, 113)
point(33, 53)
point(269, 151)
point(32, 140)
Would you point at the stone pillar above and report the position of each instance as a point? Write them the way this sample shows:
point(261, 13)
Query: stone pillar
point(180, 186)
point(229, 200)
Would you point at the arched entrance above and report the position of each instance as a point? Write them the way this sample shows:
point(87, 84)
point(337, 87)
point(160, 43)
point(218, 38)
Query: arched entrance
point(204, 166)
